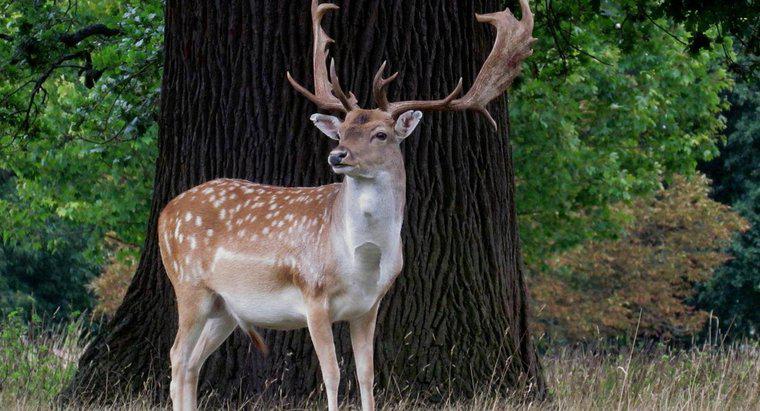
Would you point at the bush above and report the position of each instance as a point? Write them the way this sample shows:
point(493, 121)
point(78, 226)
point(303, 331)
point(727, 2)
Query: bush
point(49, 271)
point(47, 280)
point(111, 286)
point(643, 280)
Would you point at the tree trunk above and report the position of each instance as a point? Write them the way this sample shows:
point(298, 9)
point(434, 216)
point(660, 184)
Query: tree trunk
point(455, 322)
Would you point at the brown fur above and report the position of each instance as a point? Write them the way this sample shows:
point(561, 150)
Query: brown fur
point(234, 220)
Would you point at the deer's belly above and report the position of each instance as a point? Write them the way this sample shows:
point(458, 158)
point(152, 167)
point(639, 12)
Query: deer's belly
point(255, 292)
point(281, 310)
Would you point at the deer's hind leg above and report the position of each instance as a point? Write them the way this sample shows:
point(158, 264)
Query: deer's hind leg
point(194, 306)
point(218, 327)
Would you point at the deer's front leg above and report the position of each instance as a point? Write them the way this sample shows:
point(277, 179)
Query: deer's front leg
point(320, 329)
point(362, 338)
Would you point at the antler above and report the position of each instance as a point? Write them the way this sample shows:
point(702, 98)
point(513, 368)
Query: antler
point(328, 94)
point(513, 44)
point(379, 85)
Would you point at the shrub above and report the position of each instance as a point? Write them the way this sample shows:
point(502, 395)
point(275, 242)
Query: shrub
point(111, 286)
point(47, 272)
point(48, 280)
point(644, 279)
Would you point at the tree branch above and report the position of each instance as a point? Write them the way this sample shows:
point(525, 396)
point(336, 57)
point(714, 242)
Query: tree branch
point(664, 30)
point(72, 39)
point(555, 29)
point(43, 78)
point(116, 239)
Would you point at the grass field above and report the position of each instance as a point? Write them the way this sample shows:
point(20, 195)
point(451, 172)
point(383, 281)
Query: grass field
point(35, 365)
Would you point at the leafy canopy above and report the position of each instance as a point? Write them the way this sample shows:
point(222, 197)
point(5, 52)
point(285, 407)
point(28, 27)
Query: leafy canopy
point(79, 89)
point(606, 110)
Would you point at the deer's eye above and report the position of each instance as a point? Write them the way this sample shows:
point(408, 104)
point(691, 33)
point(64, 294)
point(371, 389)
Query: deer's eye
point(380, 136)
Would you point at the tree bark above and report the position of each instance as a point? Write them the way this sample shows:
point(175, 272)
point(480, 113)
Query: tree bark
point(455, 322)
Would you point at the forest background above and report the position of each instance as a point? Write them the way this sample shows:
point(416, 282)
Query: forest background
point(635, 130)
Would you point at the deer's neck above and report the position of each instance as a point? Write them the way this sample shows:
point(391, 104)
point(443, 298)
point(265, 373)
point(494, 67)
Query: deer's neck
point(371, 210)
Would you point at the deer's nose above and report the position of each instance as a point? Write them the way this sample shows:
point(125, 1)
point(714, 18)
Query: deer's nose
point(336, 156)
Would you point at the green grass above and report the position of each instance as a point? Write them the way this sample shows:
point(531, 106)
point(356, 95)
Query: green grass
point(36, 363)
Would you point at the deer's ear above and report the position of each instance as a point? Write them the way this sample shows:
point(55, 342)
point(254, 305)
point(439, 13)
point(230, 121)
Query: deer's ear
point(327, 124)
point(407, 122)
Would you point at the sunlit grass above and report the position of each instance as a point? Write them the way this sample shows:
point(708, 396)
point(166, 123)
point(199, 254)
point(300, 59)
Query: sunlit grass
point(35, 364)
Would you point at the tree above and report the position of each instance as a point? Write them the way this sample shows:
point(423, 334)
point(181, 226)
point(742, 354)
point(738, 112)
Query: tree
point(736, 171)
point(733, 293)
point(588, 117)
point(458, 313)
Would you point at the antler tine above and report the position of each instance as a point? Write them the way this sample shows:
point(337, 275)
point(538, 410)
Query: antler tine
point(319, 102)
point(512, 46)
point(430, 105)
point(349, 102)
point(323, 86)
point(379, 90)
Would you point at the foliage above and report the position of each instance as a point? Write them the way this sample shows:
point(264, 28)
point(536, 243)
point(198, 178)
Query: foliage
point(643, 280)
point(733, 294)
point(49, 278)
point(607, 109)
point(710, 22)
point(736, 171)
point(77, 116)
point(48, 281)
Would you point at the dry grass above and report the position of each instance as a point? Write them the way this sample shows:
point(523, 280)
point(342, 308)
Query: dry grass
point(34, 365)
point(698, 379)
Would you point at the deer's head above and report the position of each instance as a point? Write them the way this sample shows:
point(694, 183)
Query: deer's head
point(369, 139)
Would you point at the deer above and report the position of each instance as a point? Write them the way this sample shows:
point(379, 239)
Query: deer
point(248, 255)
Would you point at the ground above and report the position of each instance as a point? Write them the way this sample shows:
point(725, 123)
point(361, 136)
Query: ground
point(35, 364)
